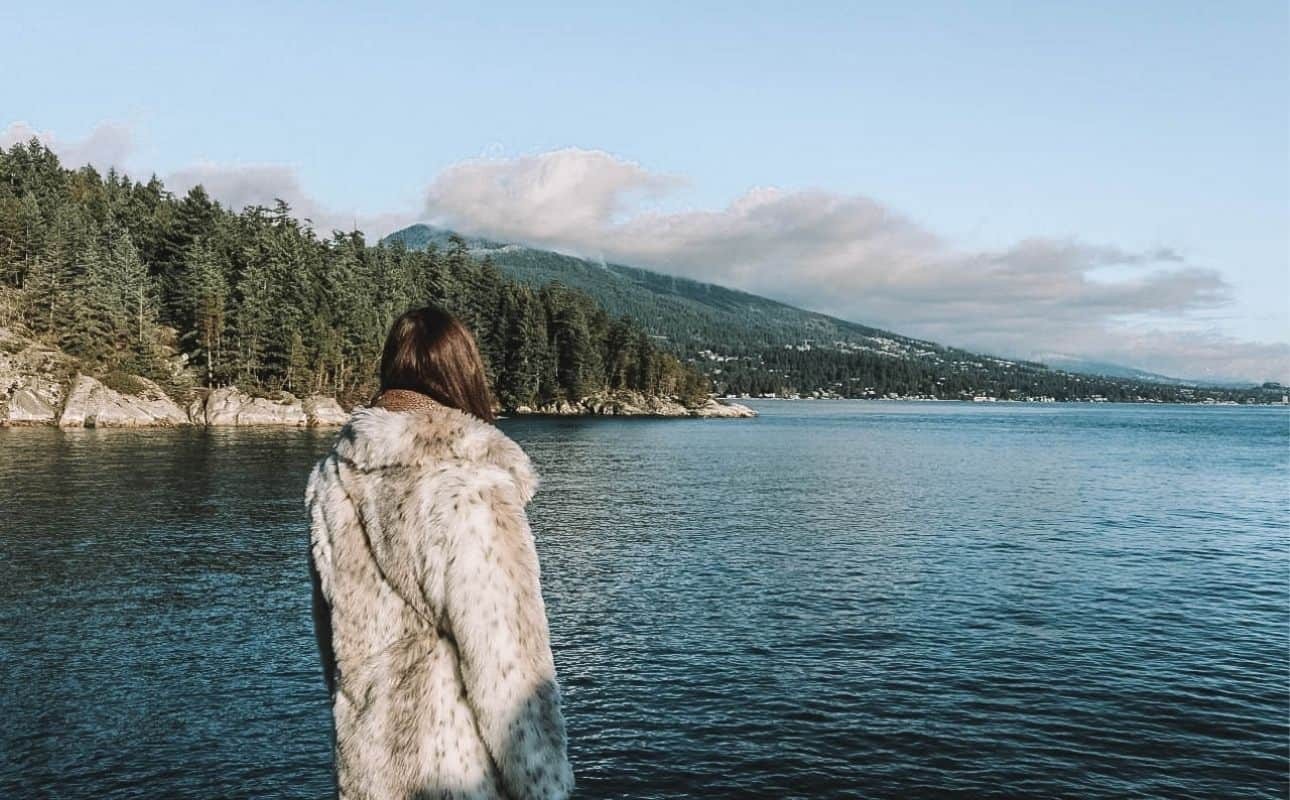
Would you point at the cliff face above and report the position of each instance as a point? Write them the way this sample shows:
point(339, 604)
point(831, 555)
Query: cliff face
point(41, 385)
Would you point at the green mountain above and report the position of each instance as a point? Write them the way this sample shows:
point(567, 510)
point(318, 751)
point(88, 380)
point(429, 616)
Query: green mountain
point(691, 315)
point(754, 345)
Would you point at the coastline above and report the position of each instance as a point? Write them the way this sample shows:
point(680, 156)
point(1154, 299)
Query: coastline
point(136, 402)
point(40, 385)
point(130, 401)
point(1019, 401)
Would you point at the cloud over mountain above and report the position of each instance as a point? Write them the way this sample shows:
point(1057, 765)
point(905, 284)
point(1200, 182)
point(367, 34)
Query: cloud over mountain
point(853, 257)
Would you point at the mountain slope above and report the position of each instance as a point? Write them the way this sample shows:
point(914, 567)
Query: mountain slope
point(751, 344)
point(1071, 363)
point(690, 314)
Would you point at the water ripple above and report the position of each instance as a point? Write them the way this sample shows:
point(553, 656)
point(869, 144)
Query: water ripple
point(833, 600)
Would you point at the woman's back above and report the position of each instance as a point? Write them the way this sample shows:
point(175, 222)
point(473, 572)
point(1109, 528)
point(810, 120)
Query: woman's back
point(430, 610)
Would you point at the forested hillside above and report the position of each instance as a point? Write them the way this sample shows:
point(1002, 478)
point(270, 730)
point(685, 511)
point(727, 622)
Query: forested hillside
point(126, 277)
point(754, 345)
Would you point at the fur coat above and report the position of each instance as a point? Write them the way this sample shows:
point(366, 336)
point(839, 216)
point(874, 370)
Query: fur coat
point(429, 613)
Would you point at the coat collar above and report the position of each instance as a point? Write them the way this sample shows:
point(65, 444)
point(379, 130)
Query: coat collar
point(406, 400)
point(424, 433)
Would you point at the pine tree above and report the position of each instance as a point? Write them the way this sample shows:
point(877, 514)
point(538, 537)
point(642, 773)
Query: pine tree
point(203, 298)
point(193, 218)
point(22, 238)
point(89, 314)
point(134, 312)
point(620, 355)
point(520, 381)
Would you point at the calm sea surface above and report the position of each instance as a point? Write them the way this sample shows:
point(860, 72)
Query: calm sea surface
point(834, 600)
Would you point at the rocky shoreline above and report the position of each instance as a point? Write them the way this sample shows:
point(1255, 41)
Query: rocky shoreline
point(40, 385)
point(635, 404)
point(89, 403)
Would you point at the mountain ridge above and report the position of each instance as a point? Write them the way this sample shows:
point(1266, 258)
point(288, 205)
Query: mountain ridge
point(536, 266)
point(749, 344)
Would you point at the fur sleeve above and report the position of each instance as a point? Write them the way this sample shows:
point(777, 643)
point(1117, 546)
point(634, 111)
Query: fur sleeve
point(496, 615)
point(320, 607)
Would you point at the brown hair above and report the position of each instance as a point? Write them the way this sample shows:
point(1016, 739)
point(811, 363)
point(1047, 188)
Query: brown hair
point(429, 351)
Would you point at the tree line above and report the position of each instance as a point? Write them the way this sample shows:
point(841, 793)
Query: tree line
point(955, 375)
point(128, 277)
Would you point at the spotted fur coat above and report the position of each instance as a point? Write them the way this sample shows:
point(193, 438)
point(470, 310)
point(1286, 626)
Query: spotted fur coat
point(429, 612)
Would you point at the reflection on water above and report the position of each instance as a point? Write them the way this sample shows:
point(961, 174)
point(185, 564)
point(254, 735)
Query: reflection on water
point(835, 599)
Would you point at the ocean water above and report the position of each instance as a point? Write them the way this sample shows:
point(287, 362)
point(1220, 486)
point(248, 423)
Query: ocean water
point(837, 599)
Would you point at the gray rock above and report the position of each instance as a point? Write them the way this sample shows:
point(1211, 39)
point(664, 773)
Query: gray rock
point(714, 409)
point(197, 410)
point(90, 404)
point(154, 401)
point(321, 410)
point(229, 406)
point(563, 408)
point(37, 370)
point(623, 403)
point(26, 407)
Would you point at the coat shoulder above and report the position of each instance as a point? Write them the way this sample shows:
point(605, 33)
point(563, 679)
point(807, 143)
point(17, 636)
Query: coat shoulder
point(375, 439)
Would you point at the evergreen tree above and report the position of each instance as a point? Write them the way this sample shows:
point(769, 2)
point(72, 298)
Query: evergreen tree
point(520, 382)
point(203, 301)
point(134, 313)
point(90, 312)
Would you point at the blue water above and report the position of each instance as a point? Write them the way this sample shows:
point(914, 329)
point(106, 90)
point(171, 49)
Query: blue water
point(838, 599)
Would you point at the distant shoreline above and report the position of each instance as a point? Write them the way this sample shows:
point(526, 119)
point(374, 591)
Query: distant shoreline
point(326, 413)
point(997, 401)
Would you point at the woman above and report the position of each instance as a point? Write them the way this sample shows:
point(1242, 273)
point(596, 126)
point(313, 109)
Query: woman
point(427, 604)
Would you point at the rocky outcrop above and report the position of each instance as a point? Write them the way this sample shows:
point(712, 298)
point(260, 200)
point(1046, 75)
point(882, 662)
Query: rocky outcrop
point(715, 409)
point(632, 404)
point(33, 378)
point(635, 404)
point(26, 407)
point(90, 404)
point(231, 406)
point(323, 411)
point(561, 408)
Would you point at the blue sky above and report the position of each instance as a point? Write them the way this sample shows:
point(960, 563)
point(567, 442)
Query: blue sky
point(1143, 128)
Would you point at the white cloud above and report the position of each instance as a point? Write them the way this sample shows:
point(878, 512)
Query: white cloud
point(235, 185)
point(554, 197)
point(241, 185)
point(853, 257)
point(108, 145)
